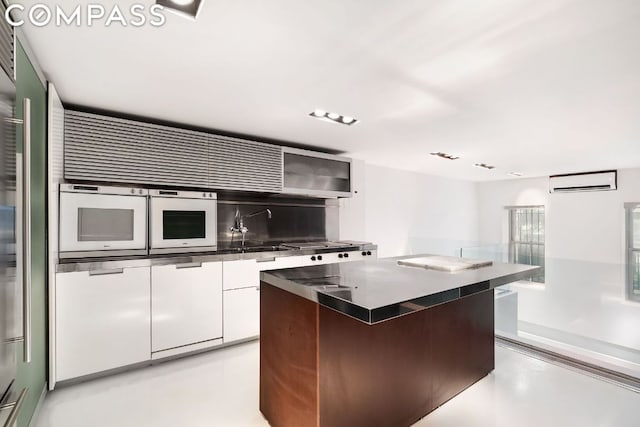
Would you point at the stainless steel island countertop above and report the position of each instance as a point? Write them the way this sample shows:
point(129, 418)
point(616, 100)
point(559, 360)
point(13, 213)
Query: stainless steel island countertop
point(376, 290)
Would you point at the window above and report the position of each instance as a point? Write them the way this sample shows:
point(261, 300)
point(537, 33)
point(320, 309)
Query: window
point(633, 251)
point(526, 237)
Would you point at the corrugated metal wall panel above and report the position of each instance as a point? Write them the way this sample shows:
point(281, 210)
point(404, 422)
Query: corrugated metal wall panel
point(243, 165)
point(6, 43)
point(102, 148)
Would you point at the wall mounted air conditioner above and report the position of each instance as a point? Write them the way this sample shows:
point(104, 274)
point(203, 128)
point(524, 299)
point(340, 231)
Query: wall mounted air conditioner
point(588, 181)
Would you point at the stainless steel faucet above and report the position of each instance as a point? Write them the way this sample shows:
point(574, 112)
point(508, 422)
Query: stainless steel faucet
point(238, 222)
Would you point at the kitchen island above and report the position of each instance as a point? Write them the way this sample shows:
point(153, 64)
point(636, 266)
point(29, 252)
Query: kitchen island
point(373, 343)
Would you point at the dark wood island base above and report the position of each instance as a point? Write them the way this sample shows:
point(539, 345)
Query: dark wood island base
point(319, 367)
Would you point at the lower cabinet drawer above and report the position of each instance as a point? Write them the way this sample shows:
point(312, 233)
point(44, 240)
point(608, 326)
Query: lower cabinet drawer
point(186, 303)
point(103, 321)
point(240, 274)
point(241, 314)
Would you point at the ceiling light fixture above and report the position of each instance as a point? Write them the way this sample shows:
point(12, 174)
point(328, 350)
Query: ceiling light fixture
point(333, 117)
point(484, 166)
point(188, 8)
point(515, 174)
point(445, 155)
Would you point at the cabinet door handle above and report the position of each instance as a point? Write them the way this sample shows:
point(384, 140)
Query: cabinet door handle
point(106, 272)
point(189, 265)
point(15, 408)
point(23, 237)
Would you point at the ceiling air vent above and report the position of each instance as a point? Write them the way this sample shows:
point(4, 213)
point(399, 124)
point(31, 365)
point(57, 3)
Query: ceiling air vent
point(588, 181)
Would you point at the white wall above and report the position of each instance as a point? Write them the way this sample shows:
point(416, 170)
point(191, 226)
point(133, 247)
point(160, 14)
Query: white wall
point(585, 226)
point(583, 299)
point(406, 212)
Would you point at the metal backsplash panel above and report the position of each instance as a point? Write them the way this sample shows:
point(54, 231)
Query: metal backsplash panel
point(290, 222)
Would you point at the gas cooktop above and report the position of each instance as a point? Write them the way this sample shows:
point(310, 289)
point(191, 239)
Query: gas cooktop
point(345, 244)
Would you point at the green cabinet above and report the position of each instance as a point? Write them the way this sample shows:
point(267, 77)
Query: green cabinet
point(33, 375)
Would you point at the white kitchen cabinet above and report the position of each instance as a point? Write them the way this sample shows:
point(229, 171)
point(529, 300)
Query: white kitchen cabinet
point(186, 305)
point(292, 262)
point(103, 320)
point(318, 259)
point(246, 273)
point(241, 274)
point(241, 299)
point(241, 314)
point(242, 285)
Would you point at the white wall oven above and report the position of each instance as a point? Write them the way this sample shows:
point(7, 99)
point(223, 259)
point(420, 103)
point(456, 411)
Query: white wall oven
point(102, 221)
point(183, 221)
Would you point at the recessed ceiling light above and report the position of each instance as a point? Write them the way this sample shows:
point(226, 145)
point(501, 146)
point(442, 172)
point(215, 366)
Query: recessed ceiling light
point(515, 174)
point(445, 155)
point(484, 166)
point(189, 8)
point(333, 117)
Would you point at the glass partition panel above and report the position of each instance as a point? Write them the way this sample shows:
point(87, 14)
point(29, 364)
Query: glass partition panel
point(581, 311)
point(633, 249)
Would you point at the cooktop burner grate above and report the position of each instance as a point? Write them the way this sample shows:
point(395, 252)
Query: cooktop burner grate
point(323, 245)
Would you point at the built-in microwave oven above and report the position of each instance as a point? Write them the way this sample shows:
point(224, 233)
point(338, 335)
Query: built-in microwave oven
point(102, 221)
point(182, 221)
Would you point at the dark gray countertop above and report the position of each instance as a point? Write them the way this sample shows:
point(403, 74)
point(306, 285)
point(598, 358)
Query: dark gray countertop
point(379, 289)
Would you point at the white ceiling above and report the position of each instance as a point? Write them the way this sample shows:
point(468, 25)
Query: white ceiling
point(533, 86)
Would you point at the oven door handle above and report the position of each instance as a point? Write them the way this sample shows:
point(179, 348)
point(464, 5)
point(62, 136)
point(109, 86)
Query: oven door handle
point(23, 223)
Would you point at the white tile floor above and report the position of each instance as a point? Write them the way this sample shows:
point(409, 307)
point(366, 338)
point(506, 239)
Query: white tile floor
point(220, 388)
